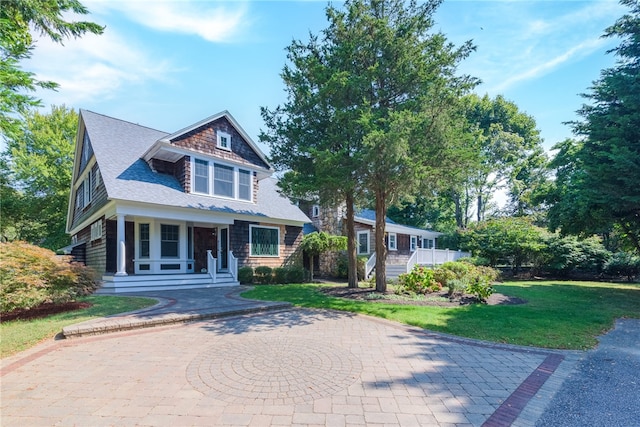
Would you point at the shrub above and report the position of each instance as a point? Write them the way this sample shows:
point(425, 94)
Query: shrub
point(623, 264)
point(565, 255)
point(480, 290)
point(32, 276)
point(342, 266)
point(460, 276)
point(457, 287)
point(297, 275)
point(280, 275)
point(420, 280)
point(263, 275)
point(443, 276)
point(477, 261)
point(245, 275)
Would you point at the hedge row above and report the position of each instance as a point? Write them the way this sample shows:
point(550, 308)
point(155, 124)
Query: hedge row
point(265, 275)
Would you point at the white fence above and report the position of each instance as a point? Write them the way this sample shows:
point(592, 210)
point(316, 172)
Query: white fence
point(434, 257)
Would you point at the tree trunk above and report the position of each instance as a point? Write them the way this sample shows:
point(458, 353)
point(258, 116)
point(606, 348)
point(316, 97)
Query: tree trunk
point(381, 249)
point(312, 258)
point(352, 257)
point(456, 199)
point(480, 207)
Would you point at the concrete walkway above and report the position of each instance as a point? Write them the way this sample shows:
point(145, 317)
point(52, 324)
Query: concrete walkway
point(281, 366)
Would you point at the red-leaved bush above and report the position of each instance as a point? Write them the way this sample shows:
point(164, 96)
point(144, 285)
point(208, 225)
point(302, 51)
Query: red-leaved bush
point(31, 276)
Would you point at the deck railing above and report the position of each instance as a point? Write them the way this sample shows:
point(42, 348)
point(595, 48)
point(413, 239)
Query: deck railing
point(233, 265)
point(212, 265)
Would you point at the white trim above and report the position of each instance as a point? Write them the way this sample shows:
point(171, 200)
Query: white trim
point(96, 230)
point(401, 229)
point(251, 227)
point(427, 245)
point(223, 136)
point(368, 233)
point(393, 247)
point(211, 165)
point(413, 243)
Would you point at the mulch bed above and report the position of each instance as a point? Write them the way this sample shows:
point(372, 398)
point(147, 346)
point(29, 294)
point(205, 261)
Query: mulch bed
point(439, 299)
point(43, 310)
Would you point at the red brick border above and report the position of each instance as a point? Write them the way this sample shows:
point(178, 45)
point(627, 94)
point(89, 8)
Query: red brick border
point(511, 408)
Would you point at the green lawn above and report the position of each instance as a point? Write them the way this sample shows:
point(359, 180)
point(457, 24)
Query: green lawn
point(562, 315)
point(18, 335)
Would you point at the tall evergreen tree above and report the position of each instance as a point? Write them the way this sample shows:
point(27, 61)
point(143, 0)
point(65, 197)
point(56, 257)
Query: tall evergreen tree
point(371, 106)
point(18, 19)
point(601, 185)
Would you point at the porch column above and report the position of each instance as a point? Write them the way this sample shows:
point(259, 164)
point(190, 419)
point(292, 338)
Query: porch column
point(121, 252)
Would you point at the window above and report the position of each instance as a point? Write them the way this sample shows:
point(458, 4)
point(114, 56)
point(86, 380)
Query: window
point(363, 242)
point(169, 240)
point(87, 189)
point(315, 211)
point(264, 241)
point(427, 243)
point(201, 176)
point(143, 238)
point(414, 243)
point(393, 242)
point(223, 180)
point(80, 197)
point(228, 181)
point(224, 140)
point(96, 230)
point(244, 185)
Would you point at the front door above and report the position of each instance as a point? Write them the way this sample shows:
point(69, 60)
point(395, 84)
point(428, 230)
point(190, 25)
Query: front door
point(223, 248)
point(203, 239)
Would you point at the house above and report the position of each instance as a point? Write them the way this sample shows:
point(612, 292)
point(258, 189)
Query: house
point(406, 246)
point(151, 210)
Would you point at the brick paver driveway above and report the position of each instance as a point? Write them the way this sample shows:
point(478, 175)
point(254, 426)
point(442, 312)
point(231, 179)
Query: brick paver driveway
point(289, 367)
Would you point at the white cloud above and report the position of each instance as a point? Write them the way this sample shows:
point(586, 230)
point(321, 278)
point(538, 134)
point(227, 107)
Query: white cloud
point(527, 41)
point(540, 69)
point(93, 67)
point(211, 21)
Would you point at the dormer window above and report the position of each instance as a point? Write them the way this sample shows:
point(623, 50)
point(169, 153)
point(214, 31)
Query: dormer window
point(216, 179)
point(224, 140)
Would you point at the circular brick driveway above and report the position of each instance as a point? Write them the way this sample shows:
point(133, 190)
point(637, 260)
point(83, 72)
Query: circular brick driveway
point(302, 367)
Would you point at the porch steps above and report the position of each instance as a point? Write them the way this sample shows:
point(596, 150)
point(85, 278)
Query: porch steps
point(395, 270)
point(167, 282)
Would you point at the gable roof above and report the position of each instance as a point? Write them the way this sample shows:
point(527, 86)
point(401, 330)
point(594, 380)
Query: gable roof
point(119, 147)
point(368, 216)
point(213, 118)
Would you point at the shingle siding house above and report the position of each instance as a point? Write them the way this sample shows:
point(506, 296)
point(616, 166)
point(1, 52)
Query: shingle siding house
point(152, 210)
point(406, 246)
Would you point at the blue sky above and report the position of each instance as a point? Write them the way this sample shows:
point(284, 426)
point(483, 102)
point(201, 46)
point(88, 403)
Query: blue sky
point(168, 64)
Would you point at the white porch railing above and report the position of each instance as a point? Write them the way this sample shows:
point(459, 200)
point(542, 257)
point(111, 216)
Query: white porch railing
point(370, 265)
point(437, 256)
point(212, 265)
point(413, 260)
point(429, 257)
point(233, 265)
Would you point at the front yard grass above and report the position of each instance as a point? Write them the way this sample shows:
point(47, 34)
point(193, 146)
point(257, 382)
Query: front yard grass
point(560, 315)
point(18, 335)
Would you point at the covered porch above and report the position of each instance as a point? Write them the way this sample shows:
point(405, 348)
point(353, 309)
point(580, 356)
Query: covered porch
point(153, 252)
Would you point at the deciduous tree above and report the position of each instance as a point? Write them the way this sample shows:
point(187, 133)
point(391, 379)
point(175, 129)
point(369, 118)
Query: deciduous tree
point(40, 162)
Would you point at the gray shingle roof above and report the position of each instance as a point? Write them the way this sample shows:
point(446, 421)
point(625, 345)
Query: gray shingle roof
point(118, 147)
